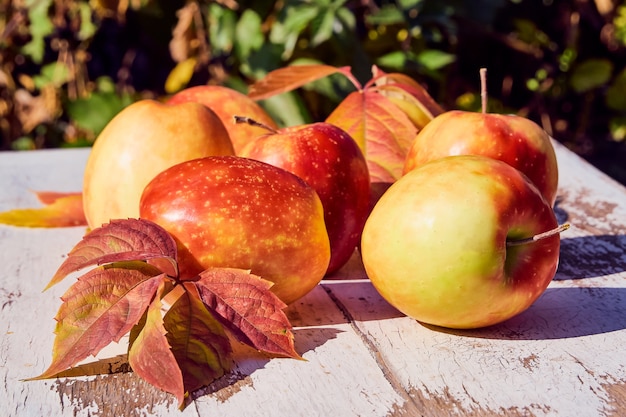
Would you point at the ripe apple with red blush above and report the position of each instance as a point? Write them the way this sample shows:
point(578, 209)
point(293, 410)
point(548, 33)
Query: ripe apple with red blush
point(516, 140)
point(139, 142)
point(331, 162)
point(462, 242)
point(228, 103)
point(236, 212)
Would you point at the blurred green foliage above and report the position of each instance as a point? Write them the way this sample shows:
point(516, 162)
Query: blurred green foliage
point(67, 67)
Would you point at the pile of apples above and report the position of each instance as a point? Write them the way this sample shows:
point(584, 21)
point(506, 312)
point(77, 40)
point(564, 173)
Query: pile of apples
point(466, 238)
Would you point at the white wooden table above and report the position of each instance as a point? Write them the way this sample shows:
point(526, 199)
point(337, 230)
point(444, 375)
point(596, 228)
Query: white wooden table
point(565, 356)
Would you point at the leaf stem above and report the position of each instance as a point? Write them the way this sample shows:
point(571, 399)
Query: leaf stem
point(538, 236)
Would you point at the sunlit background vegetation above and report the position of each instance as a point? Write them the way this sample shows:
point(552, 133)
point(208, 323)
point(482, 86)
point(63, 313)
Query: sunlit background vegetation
point(67, 66)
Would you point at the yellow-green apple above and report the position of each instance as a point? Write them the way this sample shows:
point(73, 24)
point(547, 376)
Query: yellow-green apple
point(461, 242)
point(228, 103)
point(230, 211)
point(331, 162)
point(139, 142)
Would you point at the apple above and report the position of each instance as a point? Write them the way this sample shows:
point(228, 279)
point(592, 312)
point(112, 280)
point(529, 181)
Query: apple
point(139, 142)
point(228, 103)
point(230, 211)
point(461, 242)
point(331, 162)
point(516, 140)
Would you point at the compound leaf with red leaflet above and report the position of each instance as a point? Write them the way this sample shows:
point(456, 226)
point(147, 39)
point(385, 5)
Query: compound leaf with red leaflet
point(59, 210)
point(289, 78)
point(197, 339)
point(245, 305)
point(383, 132)
point(99, 308)
point(150, 355)
point(120, 240)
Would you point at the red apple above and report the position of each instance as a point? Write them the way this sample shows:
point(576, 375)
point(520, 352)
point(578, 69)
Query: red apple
point(228, 103)
point(518, 141)
point(451, 243)
point(139, 142)
point(237, 212)
point(331, 162)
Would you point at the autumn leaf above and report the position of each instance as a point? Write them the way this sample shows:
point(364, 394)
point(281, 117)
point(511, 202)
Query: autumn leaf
point(150, 355)
point(99, 308)
point(289, 78)
point(408, 95)
point(245, 305)
point(59, 210)
point(383, 132)
point(119, 240)
point(197, 339)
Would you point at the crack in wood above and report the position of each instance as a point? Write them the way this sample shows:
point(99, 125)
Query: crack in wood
point(412, 409)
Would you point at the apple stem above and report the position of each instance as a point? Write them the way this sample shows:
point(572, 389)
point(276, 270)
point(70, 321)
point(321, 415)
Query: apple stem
point(252, 122)
point(538, 236)
point(483, 89)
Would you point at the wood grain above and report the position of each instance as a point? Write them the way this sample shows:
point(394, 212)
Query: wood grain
point(563, 356)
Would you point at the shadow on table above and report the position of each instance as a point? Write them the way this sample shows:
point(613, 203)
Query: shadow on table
point(561, 313)
point(591, 256)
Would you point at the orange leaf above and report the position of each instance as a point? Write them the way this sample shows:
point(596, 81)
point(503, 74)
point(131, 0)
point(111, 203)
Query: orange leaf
point(60, 210)
point(119, 240)
point(150, 356)
point(99, 308)
point(292, 77)
point(383, 132)
point(245, 305)
point(197, 339)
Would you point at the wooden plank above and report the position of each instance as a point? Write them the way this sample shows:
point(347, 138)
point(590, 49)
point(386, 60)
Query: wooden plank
point(363, 358)
point(564, 356)
point(339, 374)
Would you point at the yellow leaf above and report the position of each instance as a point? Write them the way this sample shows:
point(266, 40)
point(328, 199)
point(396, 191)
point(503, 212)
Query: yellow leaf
point(181, 74)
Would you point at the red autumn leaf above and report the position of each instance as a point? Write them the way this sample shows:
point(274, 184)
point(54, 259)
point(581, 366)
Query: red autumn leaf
point(150, 355)
point(119, 240)
point(245, 305)
point(59, 210)
point(198, 341)
point(383, 132)
point(99, 308)
point(292, 77)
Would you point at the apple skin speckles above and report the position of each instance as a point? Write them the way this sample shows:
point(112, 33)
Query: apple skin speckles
point(240, 213)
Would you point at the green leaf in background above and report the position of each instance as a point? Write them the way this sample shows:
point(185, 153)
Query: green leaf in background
point(591, 74)
point(395, 60)
point(434, 59)
point(617, 126)
point(322, 26)
point(87, 27)
point(56, 73)
point(616, 93)
point(347, 19)
point(94, 112)
point(248, 34)
point(292, 21)
point(286, 109)
point(40, 27)
point(387, 15)
point(222, 23)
